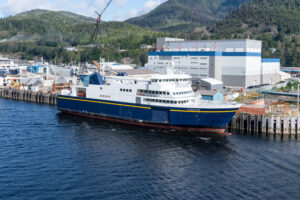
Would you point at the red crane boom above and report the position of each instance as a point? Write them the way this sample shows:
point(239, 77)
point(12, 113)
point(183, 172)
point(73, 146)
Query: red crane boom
point(96, 28)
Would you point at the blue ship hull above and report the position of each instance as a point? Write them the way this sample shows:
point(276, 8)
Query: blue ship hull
point(204, 120)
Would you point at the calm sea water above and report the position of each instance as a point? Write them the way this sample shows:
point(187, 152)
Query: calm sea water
point(48, 155)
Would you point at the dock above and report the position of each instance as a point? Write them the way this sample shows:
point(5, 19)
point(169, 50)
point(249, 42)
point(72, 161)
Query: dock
point(267, 125)
point(29, 96)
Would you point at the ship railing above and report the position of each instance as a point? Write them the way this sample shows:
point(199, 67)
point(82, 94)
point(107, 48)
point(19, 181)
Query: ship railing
point(215, 102)
point(152, 95)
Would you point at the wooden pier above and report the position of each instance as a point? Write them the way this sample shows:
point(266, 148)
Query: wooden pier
point(269, 125)
point(30, 96)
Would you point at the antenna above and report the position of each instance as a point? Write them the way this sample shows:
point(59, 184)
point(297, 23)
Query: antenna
point(96, 28)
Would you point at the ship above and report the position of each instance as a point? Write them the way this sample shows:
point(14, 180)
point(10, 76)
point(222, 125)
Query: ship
point(151, 100)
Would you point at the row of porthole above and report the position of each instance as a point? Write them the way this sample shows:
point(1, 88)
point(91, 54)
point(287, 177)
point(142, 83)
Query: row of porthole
point(166, 101)
point(126, 90)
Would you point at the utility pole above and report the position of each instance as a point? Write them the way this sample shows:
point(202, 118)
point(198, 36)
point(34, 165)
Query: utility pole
point(298, 99)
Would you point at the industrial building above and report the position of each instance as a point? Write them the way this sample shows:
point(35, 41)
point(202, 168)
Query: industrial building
point(237, 63)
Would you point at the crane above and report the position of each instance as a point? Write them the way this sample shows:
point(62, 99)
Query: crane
point(96, 28)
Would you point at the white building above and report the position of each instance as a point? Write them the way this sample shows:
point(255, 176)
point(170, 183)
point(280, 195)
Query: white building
point(270, 71)
point(234, 62)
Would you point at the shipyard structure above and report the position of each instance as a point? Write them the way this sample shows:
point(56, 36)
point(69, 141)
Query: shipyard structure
point(237, 63)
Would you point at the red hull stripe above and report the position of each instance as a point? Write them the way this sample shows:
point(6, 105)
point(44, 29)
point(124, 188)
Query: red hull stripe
point(161, 126)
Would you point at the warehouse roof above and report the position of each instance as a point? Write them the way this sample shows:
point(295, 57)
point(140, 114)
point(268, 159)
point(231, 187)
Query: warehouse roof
point(212, 81)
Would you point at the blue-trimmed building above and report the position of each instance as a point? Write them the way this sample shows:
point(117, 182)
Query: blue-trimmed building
point(234, 62)
point(270, 70)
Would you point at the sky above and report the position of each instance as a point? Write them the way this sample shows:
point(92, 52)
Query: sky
point(118, 11)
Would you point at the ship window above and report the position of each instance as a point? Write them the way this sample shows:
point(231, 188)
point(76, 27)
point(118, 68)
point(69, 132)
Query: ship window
point(160, 92)
point(164, 93)
point(159, 80)
point(173, 93)
point(135, 82)
point(164, 101)
point(130, 90)
point(160, 101)
point(126, 90)
point(156, 92)
point(168, 93)
point(121, 90)
point(167, 101)
point(177, 80)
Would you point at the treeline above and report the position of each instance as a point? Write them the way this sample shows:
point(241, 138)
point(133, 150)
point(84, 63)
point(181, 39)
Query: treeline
point(31, 51)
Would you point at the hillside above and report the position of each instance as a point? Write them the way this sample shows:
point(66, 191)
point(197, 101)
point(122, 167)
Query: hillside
point(45, 33)
point(276, 22)
point(54, 17)
point(173, 14)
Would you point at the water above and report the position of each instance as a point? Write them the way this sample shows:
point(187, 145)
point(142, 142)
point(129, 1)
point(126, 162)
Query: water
point(48, 155)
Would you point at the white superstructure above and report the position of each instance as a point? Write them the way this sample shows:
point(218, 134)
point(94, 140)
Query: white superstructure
point(171, 90)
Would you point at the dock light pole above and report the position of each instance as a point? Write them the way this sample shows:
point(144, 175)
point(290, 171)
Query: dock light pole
point(298, 99)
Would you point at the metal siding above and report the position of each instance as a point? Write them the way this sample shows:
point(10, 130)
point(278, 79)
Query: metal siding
point(160, 115)
point(202, 53)
point(185, 53)
point(272, 60)
point(104, 109)
point(203, 120)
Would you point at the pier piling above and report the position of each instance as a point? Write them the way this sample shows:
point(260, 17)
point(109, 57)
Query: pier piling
point(30, 96)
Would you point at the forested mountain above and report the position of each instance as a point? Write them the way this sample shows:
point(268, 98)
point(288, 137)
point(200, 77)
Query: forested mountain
point(276, 22)
point(181, 14)
point(53, 17)
point(46, 33)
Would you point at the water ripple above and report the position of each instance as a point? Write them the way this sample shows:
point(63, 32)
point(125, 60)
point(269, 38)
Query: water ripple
point(48, 155)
